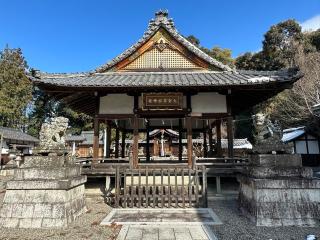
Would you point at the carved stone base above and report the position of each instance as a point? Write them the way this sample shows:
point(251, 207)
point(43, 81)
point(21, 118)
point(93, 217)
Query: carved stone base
point(44, 193)
point(280, 193)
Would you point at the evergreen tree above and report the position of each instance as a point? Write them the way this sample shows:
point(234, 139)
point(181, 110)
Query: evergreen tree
point(45, 107)
point(15, 88)
point(279, 46)
point(223, 55)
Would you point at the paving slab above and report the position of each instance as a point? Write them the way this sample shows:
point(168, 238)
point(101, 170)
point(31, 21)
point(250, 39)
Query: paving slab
point(163, 224)
point(163, 232)
point(138, 216)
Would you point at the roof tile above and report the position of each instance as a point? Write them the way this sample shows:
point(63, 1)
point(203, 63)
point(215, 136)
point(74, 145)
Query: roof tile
point(174, 79)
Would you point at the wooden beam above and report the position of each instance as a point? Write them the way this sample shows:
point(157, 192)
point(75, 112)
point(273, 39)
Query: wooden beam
point(161, 114)
point(189, 140)
point(114, 116)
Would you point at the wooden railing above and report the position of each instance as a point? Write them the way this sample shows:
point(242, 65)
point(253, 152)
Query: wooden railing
point(160, 186)
point(216, 165)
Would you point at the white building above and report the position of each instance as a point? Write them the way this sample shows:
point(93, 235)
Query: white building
point(305, 143)
point(14, 138)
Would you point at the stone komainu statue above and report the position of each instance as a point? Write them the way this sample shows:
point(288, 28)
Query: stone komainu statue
point(268, 136)
point(265, 130)
point(52, 134)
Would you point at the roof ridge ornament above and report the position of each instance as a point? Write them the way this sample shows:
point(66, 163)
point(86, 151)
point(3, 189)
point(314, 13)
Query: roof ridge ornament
point(162, 13)
point(161, 17)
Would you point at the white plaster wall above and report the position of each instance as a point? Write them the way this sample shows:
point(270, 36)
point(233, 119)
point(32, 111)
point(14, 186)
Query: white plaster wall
point(209, 103)
point(301, 147)
point(313, 147)
point(5, 147)
point(116, 104)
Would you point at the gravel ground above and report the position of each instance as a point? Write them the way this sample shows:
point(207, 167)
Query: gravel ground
point(237, 227)
point(85, 227)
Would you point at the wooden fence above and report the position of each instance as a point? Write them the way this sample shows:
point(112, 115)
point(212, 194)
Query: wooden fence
point(160, 186)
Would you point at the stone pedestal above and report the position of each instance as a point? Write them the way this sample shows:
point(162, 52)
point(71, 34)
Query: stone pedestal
point(278, 191)
point(46, 192)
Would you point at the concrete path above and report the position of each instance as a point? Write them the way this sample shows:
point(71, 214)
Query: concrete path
point(163, 232)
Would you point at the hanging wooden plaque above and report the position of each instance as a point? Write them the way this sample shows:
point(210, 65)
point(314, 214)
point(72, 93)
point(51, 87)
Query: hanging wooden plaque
point(162, 101)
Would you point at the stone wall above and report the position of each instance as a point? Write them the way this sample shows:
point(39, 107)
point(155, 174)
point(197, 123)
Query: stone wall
point(42, 208)
point(280, 193)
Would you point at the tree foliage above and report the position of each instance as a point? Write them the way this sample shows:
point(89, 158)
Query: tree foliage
point(284, 46)
point(279, 46)
point(223, 55)
point(15, 88)
point(45, 107)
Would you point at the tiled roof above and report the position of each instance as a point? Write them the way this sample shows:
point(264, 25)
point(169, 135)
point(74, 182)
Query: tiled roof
point(167, 131)
point(88, 137)
point(75, 138)
point(316, 108)
point(15, 134)
point(241, 143)
point(238, 143)
point(162, 20)
point(292, 133)
point(168, 79)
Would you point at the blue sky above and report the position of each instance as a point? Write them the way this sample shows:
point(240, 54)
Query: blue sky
point(79, 35)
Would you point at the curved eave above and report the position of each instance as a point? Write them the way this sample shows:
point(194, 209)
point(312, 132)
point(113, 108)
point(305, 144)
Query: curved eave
point(78, 91)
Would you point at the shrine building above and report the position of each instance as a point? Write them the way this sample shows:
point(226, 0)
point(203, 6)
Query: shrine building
point(163, 81)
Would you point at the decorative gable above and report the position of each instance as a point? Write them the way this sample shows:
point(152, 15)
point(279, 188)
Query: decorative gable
point(161, 59)
point(163, 53)
point(163, 48)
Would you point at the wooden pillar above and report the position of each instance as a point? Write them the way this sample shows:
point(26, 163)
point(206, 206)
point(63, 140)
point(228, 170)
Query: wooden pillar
point(205, 146)
point(189, 140)
point(218, 184)
point(96, 128)
point(108, 140)
point(230, 125)
point(148, 142)
point(180, 139)
point(1, 144)
point(135, 145)
point(230, 136)
point(210, 142)
point(218, 131)
point(123, 143)
point(116, 154)
point(95, 138)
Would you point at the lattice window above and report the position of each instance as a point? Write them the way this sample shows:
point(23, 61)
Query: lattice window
point(155, 59)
